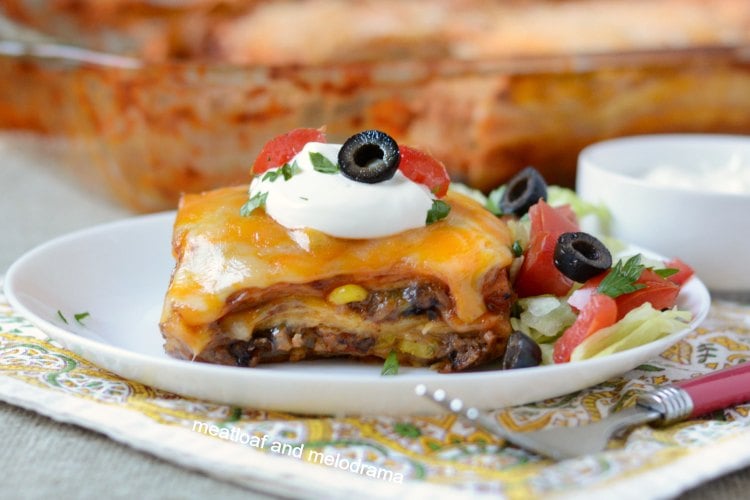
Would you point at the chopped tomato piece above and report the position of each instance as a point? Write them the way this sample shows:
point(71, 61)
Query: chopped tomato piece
point(684, 273)
point(284, 147)
point(600, 312)
point(566, 212)
point(660, 292)
point(649, 275)
point(538, 274)
point(424, 169)
point(556, 220)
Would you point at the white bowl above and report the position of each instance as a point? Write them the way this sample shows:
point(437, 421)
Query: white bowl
point(707, 228)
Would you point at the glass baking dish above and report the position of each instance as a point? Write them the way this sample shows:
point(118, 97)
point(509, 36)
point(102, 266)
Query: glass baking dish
point(152, 128)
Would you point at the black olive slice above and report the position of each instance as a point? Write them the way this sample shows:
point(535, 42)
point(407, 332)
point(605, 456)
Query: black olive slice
point(370, 156)
point(580, 256)
point(522, 191)
point(521, 352)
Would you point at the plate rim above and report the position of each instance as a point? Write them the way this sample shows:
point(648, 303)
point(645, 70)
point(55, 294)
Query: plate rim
point(696, 288)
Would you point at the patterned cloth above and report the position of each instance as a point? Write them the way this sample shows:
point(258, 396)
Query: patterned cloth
point(274, 451)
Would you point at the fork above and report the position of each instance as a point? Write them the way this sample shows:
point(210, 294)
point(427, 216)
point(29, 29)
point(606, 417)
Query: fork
point(664, 405)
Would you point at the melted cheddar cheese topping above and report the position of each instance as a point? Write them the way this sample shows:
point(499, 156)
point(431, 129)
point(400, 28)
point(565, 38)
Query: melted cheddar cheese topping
point(219, 252)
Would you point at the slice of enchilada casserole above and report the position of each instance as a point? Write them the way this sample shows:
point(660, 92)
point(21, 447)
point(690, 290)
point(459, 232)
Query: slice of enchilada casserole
point(247, 290)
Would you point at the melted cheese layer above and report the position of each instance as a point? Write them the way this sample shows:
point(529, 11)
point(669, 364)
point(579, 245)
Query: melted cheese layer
point(219, 253)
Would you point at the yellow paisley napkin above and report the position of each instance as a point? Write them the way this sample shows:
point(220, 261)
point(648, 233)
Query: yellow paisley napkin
point(385, 457)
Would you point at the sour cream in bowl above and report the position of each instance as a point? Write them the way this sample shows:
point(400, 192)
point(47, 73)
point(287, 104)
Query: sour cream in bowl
point(681, 195)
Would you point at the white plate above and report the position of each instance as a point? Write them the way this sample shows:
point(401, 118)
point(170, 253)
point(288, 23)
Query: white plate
point(119, 273)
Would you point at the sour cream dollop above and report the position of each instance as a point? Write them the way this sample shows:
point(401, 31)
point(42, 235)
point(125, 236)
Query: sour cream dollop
point(339, 206)
point(732, 177)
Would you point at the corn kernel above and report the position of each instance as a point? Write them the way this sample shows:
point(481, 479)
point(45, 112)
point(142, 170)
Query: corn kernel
point(422, 350)
point(347, 293)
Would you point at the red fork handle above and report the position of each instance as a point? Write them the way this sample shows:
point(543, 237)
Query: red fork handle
point(718, 390)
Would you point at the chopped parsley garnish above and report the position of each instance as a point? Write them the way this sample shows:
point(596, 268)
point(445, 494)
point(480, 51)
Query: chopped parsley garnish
point(287, 171)
point(622, 278)
point(390, 367)
point(438, 211)
point(79, 317)
point(271, 175)
point(517, 249)
point(322, 164)
point(258, 200)
point(666, 272)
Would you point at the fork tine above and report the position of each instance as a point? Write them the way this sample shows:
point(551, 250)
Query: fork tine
point(474, 415)
point(454, 405)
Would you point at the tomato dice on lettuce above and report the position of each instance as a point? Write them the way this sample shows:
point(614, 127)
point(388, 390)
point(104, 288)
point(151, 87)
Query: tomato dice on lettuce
point(538, 274)
point(660, 292)
point(556, 220)
point(600, 312)
point(684, 271)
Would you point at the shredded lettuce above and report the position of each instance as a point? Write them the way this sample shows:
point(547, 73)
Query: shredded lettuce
point(519, 231)
point(475, 194)
point(547, 353)
point(493, 200)
point(543, 318)
point(640, 326)
point(557, 195)
point(614, 245)
point(593, 219)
